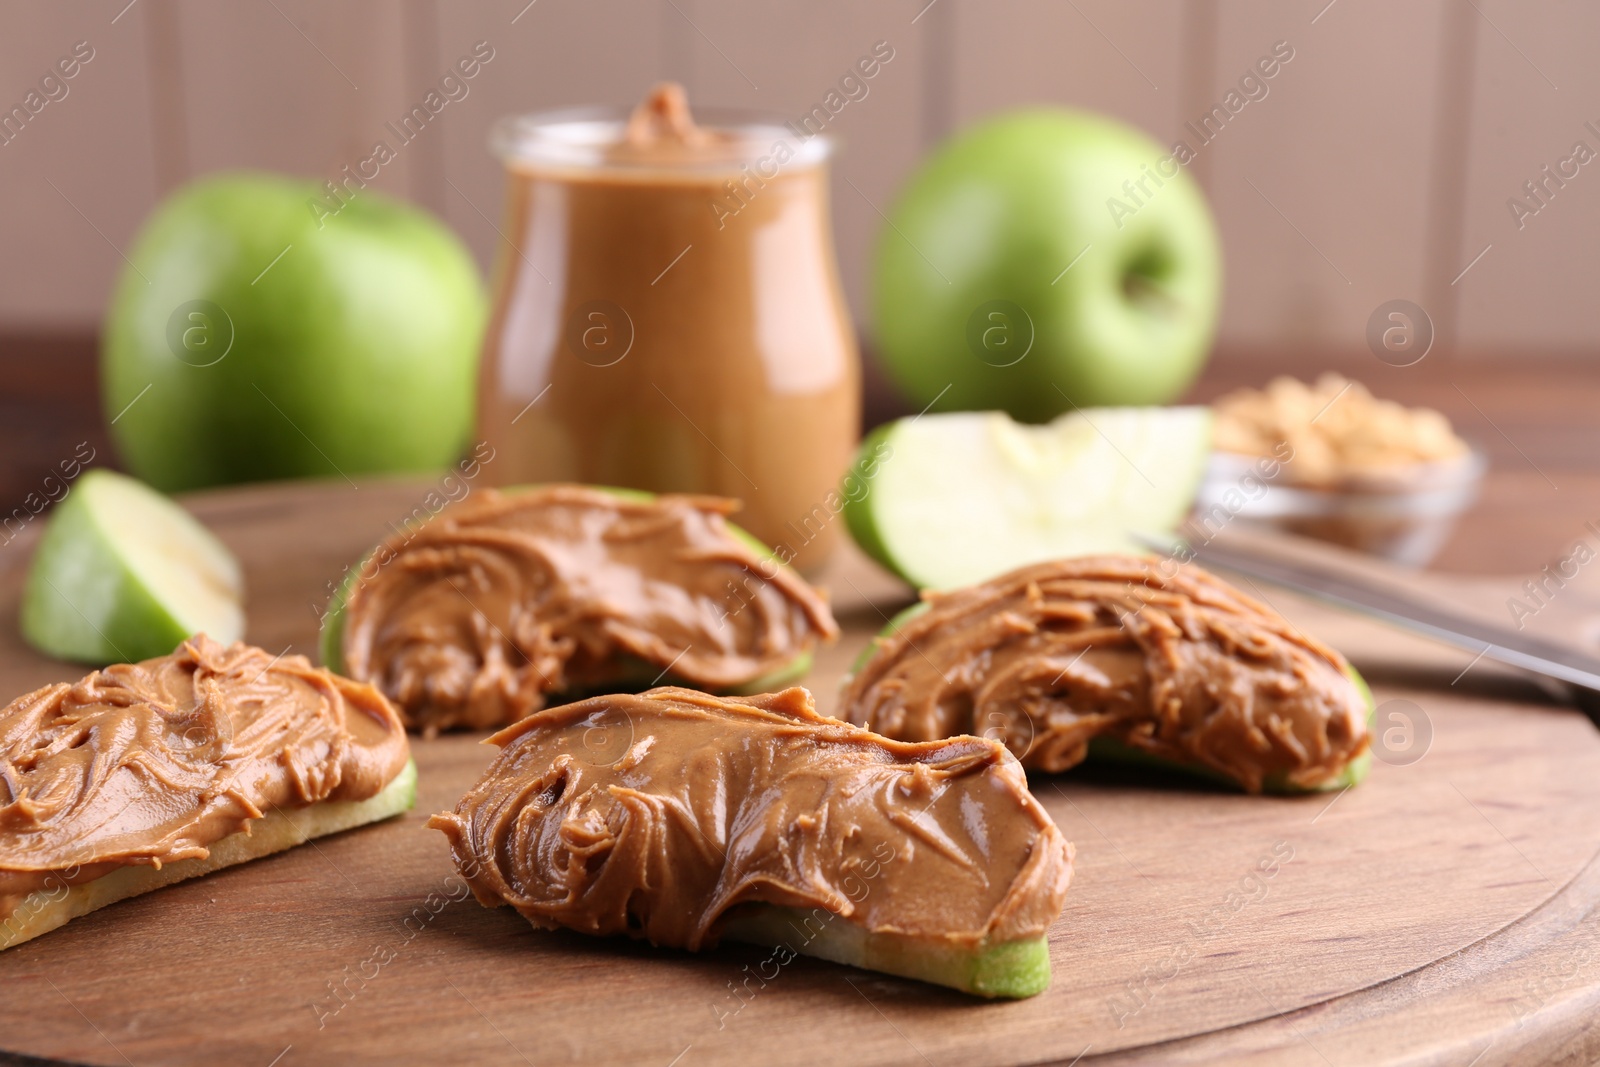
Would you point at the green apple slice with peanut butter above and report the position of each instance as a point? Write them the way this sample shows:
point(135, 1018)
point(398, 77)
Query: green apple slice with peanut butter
point(476, 617)
point(1122, 659)
point(687, 819)
point(145, 774)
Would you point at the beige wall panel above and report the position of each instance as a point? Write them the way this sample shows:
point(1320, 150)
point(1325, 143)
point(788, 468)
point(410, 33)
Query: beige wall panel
point(1122, 58)
point(552, 53)
point(1535, 288)
point(95, 144)
point(293, 85)
point(785, 56)
point(1322, 187)
point(1346, 146)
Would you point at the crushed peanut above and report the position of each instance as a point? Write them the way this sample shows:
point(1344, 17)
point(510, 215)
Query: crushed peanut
point(1336, 428)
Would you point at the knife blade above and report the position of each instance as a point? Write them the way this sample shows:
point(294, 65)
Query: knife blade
point(1404, 610)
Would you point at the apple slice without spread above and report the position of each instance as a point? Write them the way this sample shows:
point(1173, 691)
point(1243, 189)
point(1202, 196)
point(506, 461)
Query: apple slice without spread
point(959, 498)
point(123, 574)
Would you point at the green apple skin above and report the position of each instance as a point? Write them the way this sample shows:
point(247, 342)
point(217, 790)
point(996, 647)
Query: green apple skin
point(999, 213)
point(353, 344)
point(859, 517)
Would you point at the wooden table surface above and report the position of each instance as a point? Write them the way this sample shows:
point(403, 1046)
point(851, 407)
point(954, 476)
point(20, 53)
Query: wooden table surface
point(1444, 910)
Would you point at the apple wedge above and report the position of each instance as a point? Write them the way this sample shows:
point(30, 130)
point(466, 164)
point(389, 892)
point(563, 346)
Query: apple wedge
point(1011, 970)
point(122, 573)
point(959, 498)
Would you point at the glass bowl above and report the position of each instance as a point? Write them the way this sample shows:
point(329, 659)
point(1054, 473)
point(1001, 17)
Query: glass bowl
point(1402, 513)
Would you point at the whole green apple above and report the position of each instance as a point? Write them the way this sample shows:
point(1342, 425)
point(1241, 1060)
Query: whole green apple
point(1043, 260)
point(264, 329)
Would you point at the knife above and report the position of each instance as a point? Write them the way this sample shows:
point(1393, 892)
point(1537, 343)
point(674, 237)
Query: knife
point(1401, 609)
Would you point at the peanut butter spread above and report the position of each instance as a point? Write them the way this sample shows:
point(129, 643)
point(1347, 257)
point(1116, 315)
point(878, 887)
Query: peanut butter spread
point(149, 763)
point(654, 815)
point(472, 618)
point(663, 125)
point(1183, 667)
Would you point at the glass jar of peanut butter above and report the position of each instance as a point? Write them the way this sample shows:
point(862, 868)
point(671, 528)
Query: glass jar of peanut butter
point(668, 316)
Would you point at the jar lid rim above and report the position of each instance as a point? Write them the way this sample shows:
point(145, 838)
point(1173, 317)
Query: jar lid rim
point(584, 136)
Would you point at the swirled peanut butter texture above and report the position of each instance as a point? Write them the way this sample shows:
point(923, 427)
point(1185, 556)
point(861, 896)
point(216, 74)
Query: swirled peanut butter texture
point(671, 814)
point(151, 764)
point(1124, 652)
point(662, 129)
point(472, 618)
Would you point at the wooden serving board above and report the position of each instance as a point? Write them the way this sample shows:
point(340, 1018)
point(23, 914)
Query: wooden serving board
point(1444, 910)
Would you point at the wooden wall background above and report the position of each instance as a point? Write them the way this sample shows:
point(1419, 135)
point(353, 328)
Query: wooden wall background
point(1378, 166)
